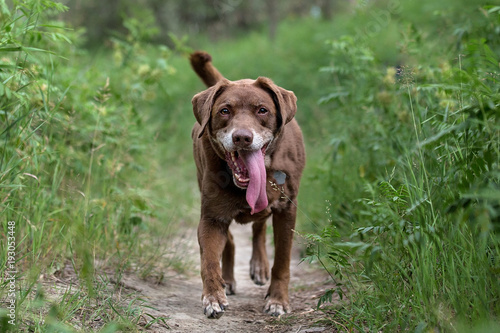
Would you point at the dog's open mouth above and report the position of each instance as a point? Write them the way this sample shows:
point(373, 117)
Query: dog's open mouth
point(249, 172)
point(240, 172)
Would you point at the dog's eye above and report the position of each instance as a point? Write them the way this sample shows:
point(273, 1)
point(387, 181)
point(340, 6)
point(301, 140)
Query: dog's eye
point(263, 111)
point(224, 111)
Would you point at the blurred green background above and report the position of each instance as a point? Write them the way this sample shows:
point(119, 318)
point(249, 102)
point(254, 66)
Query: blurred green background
point(398, 101)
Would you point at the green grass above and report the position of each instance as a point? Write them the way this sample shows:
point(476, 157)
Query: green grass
point(399, 198)
point(413, 231)
point(81, 175)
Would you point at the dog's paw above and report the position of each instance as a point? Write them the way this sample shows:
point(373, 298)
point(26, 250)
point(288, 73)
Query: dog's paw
point(230, 287)
point(214, 307)
point(259, 271)
point(275, 308)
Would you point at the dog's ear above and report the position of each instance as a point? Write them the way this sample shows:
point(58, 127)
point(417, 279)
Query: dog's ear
point(204, 101)
point(284, 100)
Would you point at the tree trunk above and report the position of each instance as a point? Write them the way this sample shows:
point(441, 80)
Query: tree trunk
point(272, 8)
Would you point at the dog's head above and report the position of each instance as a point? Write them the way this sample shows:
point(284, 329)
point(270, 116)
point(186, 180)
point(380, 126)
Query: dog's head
point(243, 119)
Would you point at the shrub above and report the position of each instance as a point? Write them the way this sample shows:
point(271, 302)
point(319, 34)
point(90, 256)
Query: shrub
point(423, 252)
point(76, 164)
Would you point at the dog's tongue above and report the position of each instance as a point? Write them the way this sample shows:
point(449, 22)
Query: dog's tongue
point(256, 190)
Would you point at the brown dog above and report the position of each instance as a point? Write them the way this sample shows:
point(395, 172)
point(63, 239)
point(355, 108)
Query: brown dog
point(249, 155)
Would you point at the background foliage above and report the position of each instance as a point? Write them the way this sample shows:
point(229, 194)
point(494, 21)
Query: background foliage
point(398, 101)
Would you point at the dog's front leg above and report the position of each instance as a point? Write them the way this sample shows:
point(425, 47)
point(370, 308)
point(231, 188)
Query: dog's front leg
point(212, 237)
point(283, 225)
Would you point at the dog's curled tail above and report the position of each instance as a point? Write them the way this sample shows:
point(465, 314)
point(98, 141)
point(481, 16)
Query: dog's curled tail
point(202, 65)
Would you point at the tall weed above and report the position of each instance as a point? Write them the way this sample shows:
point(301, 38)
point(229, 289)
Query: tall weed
point(76, 165)
point(423, 252)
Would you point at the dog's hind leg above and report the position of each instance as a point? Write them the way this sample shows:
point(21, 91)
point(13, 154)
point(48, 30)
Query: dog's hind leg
point(228, 265)
point(259, 264)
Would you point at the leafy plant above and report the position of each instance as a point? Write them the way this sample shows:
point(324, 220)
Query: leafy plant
point(75, 165)
point(427, 227)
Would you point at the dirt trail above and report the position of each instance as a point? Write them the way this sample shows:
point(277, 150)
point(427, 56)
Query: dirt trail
point(179, 299)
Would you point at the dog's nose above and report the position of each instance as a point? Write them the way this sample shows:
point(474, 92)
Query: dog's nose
point(242, 138)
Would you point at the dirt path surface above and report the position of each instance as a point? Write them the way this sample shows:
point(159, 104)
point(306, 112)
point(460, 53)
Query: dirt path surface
point(179, 298)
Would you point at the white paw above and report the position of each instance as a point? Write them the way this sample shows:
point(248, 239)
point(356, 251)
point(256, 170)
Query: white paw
point(276, 309)
point(212, 308)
